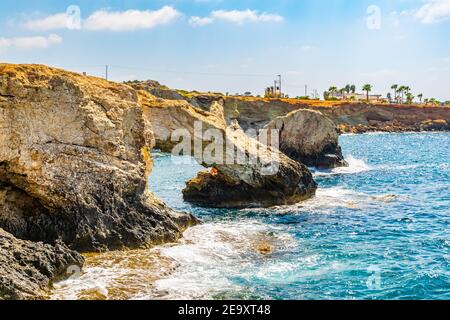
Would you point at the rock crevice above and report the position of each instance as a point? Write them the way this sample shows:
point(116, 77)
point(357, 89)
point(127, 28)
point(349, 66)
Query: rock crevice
point(231, 184)
point(76, 148)
point(309, 137)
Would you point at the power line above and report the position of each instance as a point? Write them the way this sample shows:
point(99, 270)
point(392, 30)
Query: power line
point(108, 67)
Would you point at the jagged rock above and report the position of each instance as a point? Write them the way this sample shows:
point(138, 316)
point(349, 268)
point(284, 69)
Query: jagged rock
point(156, 89)
point(435, 125)
point(309, 137)
point(27, 269)
point(231, 184)
point(74, 162)
point(351, 117)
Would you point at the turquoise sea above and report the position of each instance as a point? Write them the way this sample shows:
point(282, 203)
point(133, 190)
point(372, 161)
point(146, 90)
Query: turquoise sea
point(379, 229)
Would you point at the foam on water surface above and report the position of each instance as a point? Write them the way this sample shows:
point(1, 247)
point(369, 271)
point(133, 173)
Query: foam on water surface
point(378, 229)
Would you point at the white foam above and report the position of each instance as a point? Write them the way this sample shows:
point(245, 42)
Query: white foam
point(354, 166)
point(212, 254)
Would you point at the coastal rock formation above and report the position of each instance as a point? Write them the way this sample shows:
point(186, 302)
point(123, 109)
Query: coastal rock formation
point(74, 162)
point(156, 89)
point(27, 269)
point(273, 179)
point(435, 125)
point(309, 137)
point(351, 117)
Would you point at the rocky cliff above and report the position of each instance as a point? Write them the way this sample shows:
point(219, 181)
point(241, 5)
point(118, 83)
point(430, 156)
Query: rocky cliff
point(74, 162)
point(309, 137)
point(349, 117)
point(27, 269)
point(228, 184)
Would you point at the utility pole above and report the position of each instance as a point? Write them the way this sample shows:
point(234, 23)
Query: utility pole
point(106, 72)
point(306, 90)
point(279, 80)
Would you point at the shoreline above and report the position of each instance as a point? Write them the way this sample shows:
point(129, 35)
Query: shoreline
point(202, 245)
point(86, 183)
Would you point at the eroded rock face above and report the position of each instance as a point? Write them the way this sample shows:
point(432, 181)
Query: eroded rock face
point(27, 269)
point(309, 137)
point(74, 161)
point(350, 117)
point(234, 184)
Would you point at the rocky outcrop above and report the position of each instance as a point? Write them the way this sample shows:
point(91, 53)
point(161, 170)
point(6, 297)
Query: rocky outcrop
point(74, 162)
point(273, 179)
point(27, 269)
point(309, 137)
point(156, 89)
point(353, 117)
point(435, 125)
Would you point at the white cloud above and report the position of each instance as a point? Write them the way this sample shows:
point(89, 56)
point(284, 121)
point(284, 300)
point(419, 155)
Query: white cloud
point(236, 16)
point(131, 19)
point(27, 43)
point(199, 21)
point(57, 21)
point(248, 15)
point(433, 11)
point(107, 20)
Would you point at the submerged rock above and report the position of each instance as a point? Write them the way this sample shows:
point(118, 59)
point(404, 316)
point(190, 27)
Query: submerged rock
point(274, 179)
point(309, 137)
point(74, 162)
point(28, 269)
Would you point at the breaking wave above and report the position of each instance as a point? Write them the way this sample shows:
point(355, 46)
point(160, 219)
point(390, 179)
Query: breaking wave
point(354, 166)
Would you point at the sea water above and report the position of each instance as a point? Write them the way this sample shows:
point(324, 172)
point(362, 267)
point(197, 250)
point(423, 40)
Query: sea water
point(378, 229)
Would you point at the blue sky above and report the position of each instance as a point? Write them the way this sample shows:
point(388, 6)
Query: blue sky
point(237, 46)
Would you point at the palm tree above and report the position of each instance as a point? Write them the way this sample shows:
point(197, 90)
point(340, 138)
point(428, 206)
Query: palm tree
point(353, 88)
point(420, 96)
point(332, 91)
point(342, 92)
point(409, 97)
point(367, 88)
point(407, 90)
point(348, 88)
point(395, 87)
point(401, 93)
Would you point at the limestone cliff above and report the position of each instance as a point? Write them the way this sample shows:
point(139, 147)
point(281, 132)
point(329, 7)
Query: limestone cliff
point(74, 162)
point(309, 137)
point(228, 184)
point(354, 117)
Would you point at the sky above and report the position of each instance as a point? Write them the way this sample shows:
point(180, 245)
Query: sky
point(238, 46)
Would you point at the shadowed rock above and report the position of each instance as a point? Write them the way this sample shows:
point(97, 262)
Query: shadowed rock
point(309, 137)
point(28, 269)
point(235, 184)
point(74, 162)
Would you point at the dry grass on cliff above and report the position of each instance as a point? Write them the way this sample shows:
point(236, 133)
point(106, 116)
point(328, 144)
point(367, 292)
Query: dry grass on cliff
point(330, 103)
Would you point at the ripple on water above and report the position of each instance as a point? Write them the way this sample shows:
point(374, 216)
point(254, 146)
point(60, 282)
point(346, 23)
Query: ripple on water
point(386, 217)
